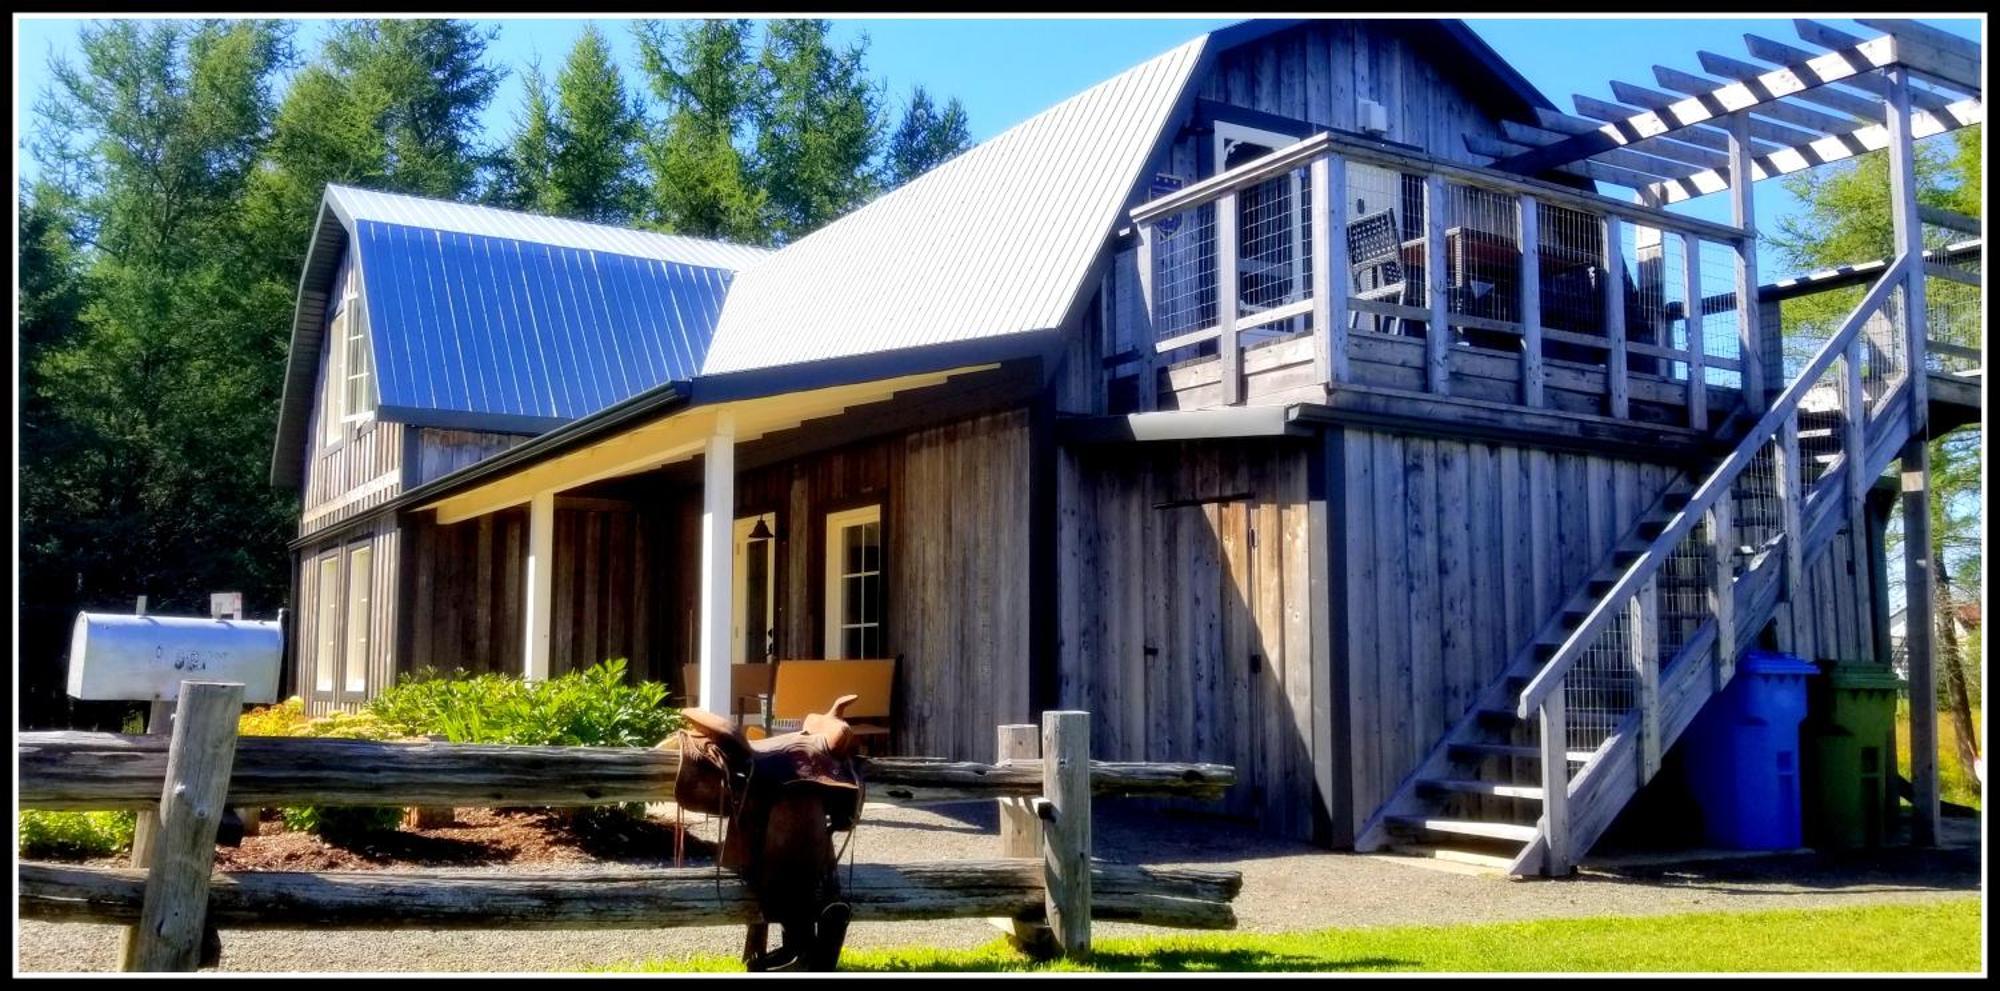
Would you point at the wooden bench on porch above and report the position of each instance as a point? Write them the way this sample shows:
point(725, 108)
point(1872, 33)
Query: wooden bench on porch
point(808, 686)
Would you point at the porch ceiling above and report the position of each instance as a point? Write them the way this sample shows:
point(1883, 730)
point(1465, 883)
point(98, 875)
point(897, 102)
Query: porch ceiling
point(676, 437)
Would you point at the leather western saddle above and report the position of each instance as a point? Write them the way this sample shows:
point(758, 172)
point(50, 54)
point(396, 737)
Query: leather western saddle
point(781, 800)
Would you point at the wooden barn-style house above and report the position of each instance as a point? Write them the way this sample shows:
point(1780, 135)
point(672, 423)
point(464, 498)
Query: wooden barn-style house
point(1314, 398)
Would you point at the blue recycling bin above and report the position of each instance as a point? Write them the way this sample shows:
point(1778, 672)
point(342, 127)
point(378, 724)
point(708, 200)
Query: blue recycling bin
point(1742, 755)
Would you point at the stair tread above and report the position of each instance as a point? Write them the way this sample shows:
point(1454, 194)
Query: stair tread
point(1498, 789)
point(1517, 750)
point(1470, 827)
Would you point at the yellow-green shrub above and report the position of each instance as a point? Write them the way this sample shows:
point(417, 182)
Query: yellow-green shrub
point(65, 835)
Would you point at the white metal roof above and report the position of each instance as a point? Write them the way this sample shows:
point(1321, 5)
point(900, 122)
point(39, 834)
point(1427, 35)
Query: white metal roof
point(993, 242)
point(363, 204)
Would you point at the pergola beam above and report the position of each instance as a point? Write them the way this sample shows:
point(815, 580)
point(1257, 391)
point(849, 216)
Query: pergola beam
point(1873, 137)
point(1831, 97)
point(1777, 108)
point(1626, 158)
point(1779, 53)
point(1679, 151)
point(1933, 52)
point(1667, 113)
point(1702, 135)
point(1589, 168)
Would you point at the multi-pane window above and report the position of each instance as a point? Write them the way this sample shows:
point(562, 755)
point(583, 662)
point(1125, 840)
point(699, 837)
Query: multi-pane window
point(854, 591)
point(327, 609)
point(332, 391)
point(360, 584)
point(359, 366)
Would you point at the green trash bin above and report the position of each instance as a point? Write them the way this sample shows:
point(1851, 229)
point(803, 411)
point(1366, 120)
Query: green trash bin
point(1850, 756)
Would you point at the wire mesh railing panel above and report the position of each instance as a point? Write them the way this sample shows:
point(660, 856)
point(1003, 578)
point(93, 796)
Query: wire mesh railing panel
point(1685, 581)
point(1757, 509)
point(1721, 318)
point(1821, 419)
point(1482, 229)
point(1951, 310)
point(1570, 253)
point(1600, 688)
point(1884, 344)
point(1655, 278)
point(1184, 281)
point(1274, 248)
point(1384, 214)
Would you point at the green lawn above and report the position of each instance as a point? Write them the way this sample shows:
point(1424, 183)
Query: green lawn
point(1954, 785)
point(1935, 936)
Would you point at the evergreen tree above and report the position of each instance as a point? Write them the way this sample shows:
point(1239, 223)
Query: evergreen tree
point(522, 179)
point(593, 164)
point(925, 138)
point(704, 78)
point(819, 127)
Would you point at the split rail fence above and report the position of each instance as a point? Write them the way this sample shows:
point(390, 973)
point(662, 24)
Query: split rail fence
point(1043, 887)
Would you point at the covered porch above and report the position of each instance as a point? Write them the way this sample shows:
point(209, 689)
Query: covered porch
point(883, 519)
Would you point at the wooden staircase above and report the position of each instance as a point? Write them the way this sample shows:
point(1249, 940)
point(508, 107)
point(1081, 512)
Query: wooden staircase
point(1535, 771)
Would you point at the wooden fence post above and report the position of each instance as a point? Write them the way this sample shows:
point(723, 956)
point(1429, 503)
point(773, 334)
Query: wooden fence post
point(1021, 835)
point(1065, 811)
point(159, 722)
point(199, 758)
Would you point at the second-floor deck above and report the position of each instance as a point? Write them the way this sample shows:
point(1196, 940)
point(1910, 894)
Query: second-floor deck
point(1338, 268)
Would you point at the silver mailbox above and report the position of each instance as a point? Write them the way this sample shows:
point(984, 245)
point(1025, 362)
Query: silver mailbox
point(114, 656)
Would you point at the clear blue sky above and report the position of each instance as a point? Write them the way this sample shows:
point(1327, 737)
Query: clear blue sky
point(1004, 70)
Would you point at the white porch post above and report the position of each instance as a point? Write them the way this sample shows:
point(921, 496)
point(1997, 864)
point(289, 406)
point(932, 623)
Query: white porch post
point(718, 508)
point(541, 585)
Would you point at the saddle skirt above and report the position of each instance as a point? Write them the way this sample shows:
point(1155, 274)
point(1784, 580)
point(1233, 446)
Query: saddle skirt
point(722, 771)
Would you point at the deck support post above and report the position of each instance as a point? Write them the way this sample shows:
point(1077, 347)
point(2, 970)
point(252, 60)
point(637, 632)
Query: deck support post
point(1228, 297)
point(1749, 318)
point(1909, 228)
point(1697, 348)
point(1065, 811)
point(1794, 620)
point(1919, 619)
point(1330, 267)
point(1437, 337)
point(1616, 367)
point(1145, 337)
point(540, 586)
point(1531, 303)
point(1554, 744)
point(1021, 834)
point(718, 510)
point(174, 914)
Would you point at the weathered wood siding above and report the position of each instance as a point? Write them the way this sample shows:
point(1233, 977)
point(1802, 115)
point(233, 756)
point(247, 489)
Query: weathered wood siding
point(439, 452)
point(360, 471)
point(955, 528)
point(464, 601)
point(384, 540)
point(603, 595)
point(1184, 611)
point(1455, 553)
point(1839, 602)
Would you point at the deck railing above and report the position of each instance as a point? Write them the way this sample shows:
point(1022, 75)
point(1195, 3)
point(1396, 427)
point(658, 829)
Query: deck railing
point(1344, 241)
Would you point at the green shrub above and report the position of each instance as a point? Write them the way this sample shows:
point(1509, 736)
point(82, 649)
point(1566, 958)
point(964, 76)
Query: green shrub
point(594, 707)
point(288, 718)
point(336, 823)
point(69, 835)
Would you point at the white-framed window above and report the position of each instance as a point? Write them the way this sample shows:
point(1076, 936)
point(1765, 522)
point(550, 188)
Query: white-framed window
point(360, 590)
point(754, 611)
point(326, 611)
point(854, 589)
point(357, 366)
point(331, 419)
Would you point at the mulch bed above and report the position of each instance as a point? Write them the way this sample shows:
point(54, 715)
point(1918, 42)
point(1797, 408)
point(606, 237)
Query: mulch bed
point(535, 838)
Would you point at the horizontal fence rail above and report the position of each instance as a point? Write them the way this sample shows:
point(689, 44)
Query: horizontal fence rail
point(71, 770)
point(1177, 897)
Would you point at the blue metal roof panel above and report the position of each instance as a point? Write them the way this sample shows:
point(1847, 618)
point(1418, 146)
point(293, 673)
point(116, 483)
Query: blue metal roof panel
point(490, 325)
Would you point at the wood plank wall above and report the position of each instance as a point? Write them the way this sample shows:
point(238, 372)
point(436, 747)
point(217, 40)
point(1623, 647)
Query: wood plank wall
point(955, 523)
point(1456, 553)
point(602, 596)
point(464, 601)
point(385, 539)
point(367, 457)
point(440, 452)
point(1184, 612)
point(1838, 600)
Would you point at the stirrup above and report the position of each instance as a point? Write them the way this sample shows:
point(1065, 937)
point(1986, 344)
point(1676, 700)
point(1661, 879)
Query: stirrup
point(831, 934)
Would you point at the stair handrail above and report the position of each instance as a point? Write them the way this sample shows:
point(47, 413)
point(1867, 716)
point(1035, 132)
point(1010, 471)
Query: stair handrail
point(1612, 604)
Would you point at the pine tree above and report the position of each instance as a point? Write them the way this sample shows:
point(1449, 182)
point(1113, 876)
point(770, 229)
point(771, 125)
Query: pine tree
point(593, 138)
point(925, 138)
point(701, 184)
point(819, 127)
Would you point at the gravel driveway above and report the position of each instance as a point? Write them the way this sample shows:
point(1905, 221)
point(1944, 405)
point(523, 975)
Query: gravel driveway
point(1287, 886)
